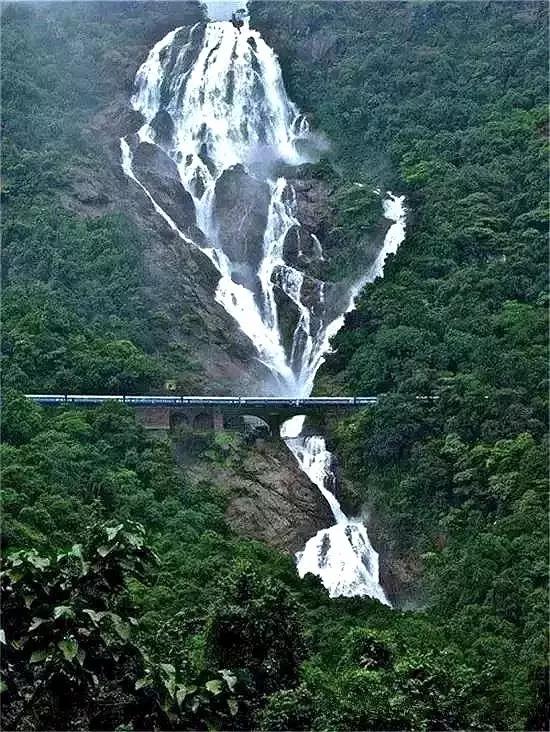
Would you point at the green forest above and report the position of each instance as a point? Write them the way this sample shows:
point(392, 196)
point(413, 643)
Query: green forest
point(128, 602)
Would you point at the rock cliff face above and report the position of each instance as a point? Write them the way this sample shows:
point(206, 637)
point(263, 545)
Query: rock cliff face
point(160, 176)
point(400, 572)
point(269, 497)
point(274, 501)
point(241, 205)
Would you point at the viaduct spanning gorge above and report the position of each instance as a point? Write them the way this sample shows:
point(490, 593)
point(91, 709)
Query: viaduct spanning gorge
point(166, 412)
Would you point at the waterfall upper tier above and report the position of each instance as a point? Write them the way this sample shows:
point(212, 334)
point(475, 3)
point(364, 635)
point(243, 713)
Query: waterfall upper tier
point(214, 97)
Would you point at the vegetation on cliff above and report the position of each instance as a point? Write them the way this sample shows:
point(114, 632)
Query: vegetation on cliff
point(77, 316)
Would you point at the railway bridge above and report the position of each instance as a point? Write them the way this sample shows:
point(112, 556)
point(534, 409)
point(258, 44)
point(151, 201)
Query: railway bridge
point(165, 413)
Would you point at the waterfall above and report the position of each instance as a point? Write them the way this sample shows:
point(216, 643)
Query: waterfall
point(217, 127)
point(342, 555)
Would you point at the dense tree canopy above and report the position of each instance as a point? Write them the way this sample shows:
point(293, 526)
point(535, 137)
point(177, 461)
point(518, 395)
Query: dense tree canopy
point(76, 312)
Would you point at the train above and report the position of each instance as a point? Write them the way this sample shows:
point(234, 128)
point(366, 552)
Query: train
point(175, 401)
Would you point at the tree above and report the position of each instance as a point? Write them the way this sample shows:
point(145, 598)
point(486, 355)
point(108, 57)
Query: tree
point(69, 661)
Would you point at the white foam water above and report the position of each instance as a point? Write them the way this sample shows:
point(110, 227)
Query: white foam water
point(342, 555)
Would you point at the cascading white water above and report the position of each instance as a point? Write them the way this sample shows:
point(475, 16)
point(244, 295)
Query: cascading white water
point(342, 555)
point(229, 107)
point(213, 103)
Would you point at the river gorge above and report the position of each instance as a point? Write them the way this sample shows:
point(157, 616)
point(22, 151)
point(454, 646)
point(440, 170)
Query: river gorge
point(215, 155)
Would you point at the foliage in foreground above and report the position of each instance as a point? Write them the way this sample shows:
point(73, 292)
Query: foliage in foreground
point(206, 630)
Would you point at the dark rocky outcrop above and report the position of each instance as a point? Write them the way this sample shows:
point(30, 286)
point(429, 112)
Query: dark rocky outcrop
point(303, 250)
point(275, 502)
point(289, 315)
point(241, 206)
point(400, 572)
point(163, 127)
point(313, 205)
point(320, 247)
point(160, 176)
point(303, 245)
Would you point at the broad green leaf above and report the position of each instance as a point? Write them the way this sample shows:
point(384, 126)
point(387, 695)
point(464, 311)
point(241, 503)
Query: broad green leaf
point(113, 531)
point(229, 678)
point(38, 562)
point(103, 550)
point(170, 684)
point(214, 686)
point(69, 648)
point(181, 693)
point(233, 705)
point(169, 677)
point(96, 617)
point(38, 656)
point(3, 686)
point(14, 575)
point(76, 551)
point(134, 540)
point(140, 683)
point(63, 611)
point(122, 629)
point(36, 622)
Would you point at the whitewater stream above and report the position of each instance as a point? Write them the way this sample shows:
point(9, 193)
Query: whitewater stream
point(217, 129)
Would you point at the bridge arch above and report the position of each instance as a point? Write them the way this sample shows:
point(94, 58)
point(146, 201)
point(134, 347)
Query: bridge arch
point(203, 421)
point(180, 419)
point(233, 421)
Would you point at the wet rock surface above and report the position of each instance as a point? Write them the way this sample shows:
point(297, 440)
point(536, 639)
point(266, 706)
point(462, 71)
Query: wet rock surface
point(179, 281)
point(241, 207)
point(160, 176)
point(313, 204)
point(400, 572)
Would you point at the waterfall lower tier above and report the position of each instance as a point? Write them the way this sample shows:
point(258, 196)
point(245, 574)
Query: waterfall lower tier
point(217, 128)
point(342, 555)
